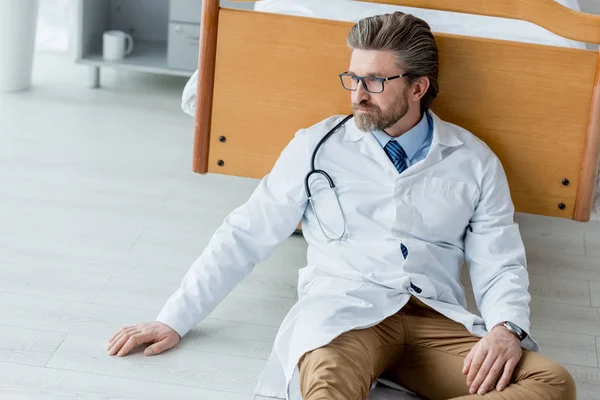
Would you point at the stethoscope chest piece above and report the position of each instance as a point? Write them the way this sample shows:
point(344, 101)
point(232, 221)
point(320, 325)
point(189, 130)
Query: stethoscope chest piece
point(321, 173)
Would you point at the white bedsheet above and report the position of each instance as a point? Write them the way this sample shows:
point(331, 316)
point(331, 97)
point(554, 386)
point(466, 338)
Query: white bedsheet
point(440, 21)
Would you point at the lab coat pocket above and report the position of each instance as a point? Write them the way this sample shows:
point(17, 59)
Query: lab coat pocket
point(445, 206)
point(327, 285)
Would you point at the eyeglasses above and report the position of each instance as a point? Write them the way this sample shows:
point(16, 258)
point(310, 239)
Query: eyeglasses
point(372, 84)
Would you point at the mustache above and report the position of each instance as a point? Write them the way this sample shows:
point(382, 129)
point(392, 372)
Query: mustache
point(364, 106)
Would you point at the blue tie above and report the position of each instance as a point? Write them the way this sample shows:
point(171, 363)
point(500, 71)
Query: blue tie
point(397, 154)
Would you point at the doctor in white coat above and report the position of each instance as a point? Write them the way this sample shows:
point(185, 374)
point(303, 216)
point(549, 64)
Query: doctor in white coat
point(414, 199)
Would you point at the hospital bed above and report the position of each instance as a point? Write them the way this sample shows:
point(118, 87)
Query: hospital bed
point(440, 21)
point(532, 94)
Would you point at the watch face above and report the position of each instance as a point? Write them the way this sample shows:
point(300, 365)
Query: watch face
point(518, 331)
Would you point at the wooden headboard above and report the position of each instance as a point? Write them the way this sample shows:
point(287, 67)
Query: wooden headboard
point(536, 106)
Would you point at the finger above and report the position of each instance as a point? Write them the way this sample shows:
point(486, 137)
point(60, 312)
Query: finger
point(135, 340)
point(123, 332)
point(509, 368)
point(120, 331)
point(478, 359)
point(116, 346)
point(115, 335)
point(482, 373)
point(492, 376)
point(158, 347)
point(467, 363)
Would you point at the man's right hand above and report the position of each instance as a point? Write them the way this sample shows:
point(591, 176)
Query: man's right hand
point(160, 335)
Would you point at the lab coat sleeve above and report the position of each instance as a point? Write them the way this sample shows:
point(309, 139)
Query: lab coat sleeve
point(247, 236)
point(495, 253)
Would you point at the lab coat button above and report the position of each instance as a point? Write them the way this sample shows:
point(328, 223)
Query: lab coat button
point(415, 288)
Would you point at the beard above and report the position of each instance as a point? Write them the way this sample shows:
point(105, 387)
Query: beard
point(376, 119)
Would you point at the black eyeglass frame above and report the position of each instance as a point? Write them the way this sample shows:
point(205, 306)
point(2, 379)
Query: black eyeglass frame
point(361, 79)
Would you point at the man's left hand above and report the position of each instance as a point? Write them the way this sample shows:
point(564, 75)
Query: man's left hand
point(496, 353)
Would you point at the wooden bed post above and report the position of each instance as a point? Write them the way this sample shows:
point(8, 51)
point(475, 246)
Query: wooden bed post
point(591, 157)
point(206, 80)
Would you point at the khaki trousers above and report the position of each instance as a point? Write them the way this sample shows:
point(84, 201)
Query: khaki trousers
point(423, 351)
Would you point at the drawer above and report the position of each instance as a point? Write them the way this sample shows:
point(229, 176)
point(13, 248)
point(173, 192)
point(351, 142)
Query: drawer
point(191, 10)
point(185, 11)
point(183, 46)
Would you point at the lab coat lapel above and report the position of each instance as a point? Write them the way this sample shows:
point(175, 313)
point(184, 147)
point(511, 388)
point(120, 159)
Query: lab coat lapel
point(443, 138)
point(433, 157)
point(369, 146)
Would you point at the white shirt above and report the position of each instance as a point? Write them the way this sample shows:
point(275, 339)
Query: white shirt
point(453, 206)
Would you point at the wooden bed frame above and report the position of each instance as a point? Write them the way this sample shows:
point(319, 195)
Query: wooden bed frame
point(536, 106)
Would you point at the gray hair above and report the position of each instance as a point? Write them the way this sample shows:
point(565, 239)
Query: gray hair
point(410, 39)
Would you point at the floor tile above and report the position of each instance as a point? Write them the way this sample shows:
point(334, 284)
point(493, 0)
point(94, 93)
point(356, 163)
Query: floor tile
point(27, 346)
point(177, 366)
point(567, 348)
point(25, 382)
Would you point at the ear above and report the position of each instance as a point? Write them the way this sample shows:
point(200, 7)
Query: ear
point(418, 88)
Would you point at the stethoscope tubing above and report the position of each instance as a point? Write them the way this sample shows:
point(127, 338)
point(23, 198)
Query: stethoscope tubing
point(313, 170)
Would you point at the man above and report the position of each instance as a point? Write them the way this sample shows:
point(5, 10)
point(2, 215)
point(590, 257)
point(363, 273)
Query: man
point(381, 294)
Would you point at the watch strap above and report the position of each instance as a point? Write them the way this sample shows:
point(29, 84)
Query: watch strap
point(514, 329)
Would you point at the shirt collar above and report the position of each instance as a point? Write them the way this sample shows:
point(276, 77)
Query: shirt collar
point(443, 133)
point(410, 141)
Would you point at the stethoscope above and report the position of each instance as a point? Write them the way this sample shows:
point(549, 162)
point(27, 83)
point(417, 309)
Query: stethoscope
point(313, 170)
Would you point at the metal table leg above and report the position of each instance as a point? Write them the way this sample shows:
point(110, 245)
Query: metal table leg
point(95, 77)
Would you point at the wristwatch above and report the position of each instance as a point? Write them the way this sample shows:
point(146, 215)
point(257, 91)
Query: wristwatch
point(514, 329)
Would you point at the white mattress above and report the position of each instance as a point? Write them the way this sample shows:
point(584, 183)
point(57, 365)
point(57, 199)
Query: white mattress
point(440, 21)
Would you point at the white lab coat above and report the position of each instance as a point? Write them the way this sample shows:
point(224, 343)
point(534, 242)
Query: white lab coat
point(453, 205)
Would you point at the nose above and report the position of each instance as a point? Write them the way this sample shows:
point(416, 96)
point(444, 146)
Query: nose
point(360, 94)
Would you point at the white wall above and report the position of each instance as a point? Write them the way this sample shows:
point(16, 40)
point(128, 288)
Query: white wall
point(55, 25)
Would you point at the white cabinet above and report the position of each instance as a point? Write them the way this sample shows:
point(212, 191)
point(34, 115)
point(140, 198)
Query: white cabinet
point(184, 45)
point(185, 11)
point(166, 34)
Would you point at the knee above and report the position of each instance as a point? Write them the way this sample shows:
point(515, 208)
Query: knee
point(328, 373)
point(561, 381)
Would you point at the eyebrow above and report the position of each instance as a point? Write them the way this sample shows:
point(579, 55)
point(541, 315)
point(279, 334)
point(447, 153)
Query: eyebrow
point(368, 74)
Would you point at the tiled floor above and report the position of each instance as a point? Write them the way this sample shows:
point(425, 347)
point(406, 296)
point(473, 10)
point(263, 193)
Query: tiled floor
point(100, 217)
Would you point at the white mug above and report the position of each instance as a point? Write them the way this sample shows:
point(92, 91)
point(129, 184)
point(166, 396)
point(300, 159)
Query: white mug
point(116, 45)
